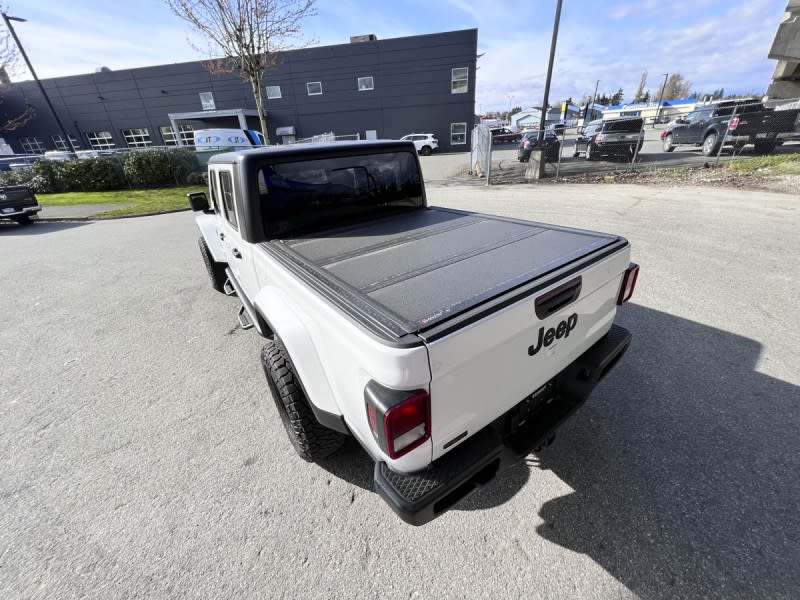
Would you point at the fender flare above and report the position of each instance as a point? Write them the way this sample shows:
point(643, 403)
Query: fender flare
point(282, 319)
point(207, 224)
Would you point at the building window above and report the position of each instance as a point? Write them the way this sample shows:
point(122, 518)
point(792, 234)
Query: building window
point(273, 92)
point(365, 84)
point(137, 138)
point(32, 145)
point(207, 100)
point(61, 142)
point(459, 80)
point(631, 113)
point(100, 140)
point(170, 139)
point(314, 88)
point(458, 133)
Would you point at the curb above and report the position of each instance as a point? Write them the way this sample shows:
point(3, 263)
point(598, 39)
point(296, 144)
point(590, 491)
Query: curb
point(95, 218)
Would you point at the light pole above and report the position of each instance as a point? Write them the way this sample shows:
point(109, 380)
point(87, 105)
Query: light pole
point(546, 99)
point(8, 20)
point(510, 100)
point(660, 96)
point(596, 85)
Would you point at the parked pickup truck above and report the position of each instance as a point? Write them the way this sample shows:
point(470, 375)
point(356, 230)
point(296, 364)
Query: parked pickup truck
point(19, 203)
point(448, 343)
point(732, 123)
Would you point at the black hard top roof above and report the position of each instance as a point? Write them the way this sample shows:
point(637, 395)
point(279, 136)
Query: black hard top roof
point(287, 151)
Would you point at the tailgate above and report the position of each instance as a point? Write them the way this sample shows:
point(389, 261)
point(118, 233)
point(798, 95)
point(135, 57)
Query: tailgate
point(483, 369)
point(15, 197)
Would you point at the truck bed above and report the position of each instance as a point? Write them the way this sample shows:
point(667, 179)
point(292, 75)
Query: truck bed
point(408, 273)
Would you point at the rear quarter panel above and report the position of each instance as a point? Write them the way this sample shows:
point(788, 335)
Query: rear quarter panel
point(336, 358)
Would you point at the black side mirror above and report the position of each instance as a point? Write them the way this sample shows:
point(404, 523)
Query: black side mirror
point(198, 200)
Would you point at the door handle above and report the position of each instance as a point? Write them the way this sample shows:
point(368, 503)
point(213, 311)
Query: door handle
point(222, 236)
point(236, 253)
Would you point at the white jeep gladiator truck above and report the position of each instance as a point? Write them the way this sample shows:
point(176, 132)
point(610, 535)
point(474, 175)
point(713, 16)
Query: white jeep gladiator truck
point(448, 343)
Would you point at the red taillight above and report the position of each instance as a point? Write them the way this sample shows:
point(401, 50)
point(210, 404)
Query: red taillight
point(526, 144)
point(628, 283)
point(407, 424)
point(372, 417)
point(399, 420)
point(598, 138)
point(734, 123)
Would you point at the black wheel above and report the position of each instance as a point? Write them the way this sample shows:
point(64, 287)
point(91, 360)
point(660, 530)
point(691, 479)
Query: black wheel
point(763, 147)
point(576, 154)
point(711, 144)
point(666, 144)
point(216, 270)
point(311, 440)
point(425, 151)
point(24, 220)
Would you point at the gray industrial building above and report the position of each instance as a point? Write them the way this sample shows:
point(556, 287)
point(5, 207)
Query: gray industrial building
point(375, 88)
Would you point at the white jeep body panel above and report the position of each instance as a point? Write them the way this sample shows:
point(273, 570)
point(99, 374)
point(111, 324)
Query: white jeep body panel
point(427, 299)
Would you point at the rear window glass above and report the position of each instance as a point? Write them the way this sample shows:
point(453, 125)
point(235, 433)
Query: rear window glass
point(626, 125)
point(311, 195)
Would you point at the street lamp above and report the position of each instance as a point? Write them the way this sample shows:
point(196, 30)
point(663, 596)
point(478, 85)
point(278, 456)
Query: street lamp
point(660, 96)
point(8, 20)
point(596, 85)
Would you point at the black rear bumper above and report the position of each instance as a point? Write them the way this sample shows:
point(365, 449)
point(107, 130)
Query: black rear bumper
point(421, 497)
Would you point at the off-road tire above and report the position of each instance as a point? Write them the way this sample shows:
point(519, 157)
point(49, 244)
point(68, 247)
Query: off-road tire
point(310, 439)
point(711, 144)
point(425, 151)
point(667, 145)
point(216, 270)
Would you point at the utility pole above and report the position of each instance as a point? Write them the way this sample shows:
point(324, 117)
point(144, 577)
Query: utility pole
point(8, 20)
point(510, 100)
point(549, 73)
point(660, 96)
point(596, 85)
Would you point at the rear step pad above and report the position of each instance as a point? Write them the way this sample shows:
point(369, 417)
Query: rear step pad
point(446, 481)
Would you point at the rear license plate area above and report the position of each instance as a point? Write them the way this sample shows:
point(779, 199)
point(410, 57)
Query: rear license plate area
point(523, 413)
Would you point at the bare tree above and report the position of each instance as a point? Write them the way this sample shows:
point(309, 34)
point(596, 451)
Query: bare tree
point(677, 87)
point(9, 58)
point(248, 33)
point(639, 97)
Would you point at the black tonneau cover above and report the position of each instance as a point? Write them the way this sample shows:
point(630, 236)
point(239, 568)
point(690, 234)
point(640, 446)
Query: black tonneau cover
point(407, 273)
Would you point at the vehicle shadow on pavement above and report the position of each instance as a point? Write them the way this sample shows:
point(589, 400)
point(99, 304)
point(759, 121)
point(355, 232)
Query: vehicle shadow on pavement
point(12, 229)
point(684, 465)
point(685, 468)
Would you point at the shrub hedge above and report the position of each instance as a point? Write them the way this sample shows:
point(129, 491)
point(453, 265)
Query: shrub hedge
point(139, 169)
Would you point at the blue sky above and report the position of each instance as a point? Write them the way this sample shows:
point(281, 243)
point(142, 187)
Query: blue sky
point(713, 43)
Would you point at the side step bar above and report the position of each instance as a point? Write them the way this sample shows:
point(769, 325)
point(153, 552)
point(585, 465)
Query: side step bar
point(244, 319)
point(247, 315)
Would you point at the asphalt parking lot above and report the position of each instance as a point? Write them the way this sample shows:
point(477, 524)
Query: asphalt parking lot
point(142, 457)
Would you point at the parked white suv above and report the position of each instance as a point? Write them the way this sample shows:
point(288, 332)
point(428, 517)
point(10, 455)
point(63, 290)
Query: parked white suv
point(425, 143)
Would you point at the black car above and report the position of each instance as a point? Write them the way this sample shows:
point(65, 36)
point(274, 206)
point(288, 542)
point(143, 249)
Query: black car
point(530, 142)
point(615, 137)
point(504, 134)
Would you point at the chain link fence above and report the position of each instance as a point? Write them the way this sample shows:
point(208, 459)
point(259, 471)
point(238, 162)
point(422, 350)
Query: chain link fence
point(703, 134)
